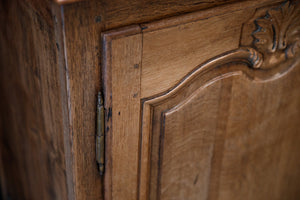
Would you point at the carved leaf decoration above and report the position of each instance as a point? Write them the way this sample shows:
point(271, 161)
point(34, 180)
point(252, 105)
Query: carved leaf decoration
point(278, 32)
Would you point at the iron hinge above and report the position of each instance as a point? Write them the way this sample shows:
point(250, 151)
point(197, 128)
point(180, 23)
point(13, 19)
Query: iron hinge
point(100, 134)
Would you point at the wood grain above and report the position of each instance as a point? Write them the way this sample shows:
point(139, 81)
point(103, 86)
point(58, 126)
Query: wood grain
point(189, 156)
point(124, 54)
point(192, 42)
point(186, 150)
point(215, 154)
point(83, 23)
point(69, 67)
point(32, 105)
point(125, 138)
point(189, 36)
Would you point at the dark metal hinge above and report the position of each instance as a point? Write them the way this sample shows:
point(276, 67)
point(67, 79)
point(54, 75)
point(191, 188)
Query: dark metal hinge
point(100, 134)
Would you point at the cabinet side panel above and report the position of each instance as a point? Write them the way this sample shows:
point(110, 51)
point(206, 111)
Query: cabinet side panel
point(31, 104)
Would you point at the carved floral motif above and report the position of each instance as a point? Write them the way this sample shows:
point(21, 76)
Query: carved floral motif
point(277, 34)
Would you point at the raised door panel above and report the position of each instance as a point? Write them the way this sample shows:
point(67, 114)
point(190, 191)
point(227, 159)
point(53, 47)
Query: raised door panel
point(205, 105)
point(229, 138)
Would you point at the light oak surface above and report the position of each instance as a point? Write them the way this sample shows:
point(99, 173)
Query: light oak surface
point(126, 81)
point(186, 41)
point(220, 106)
point(84, 22)
point(52, 56)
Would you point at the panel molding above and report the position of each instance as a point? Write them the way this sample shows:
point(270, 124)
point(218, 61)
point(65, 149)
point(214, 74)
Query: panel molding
point(264, 55)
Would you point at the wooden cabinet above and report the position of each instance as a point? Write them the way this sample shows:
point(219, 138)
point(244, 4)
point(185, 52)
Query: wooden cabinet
point(201, 100)
point(205, 105)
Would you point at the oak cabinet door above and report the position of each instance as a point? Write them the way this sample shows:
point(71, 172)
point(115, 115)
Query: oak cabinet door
point(205, 105)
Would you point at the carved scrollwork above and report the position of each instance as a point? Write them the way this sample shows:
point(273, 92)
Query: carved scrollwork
point(276, 34)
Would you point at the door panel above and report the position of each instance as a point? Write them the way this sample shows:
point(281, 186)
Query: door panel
point(205, 105)
point(227, 139)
